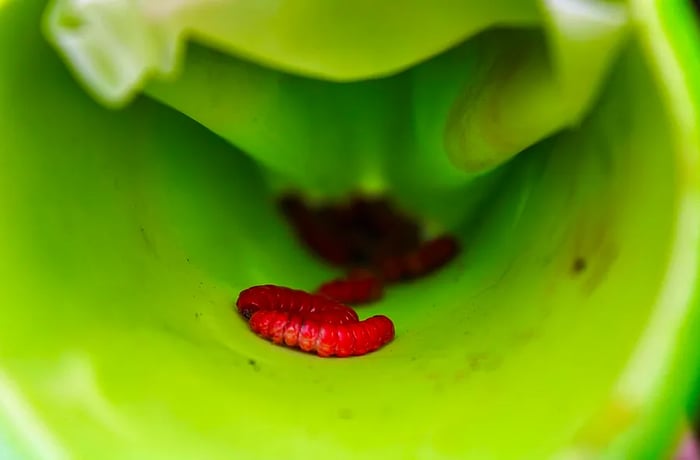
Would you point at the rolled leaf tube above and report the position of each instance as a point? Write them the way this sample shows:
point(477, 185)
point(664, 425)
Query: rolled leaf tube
point(570, 323)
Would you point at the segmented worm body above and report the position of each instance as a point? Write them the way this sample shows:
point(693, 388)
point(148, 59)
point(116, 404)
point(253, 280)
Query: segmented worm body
point(315, 232)
point(431, 255)
point(376, 244)
point(427, 258)
point(358, 287)
point(269, 297)
point(346, 339)
point(354, 233)
point(311, 322)
point(394, 232)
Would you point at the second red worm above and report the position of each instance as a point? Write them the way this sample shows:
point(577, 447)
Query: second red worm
point(269, 297)
point(358, 287)
point(349, 339)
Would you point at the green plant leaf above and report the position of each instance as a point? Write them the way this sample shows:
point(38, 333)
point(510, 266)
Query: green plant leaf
point(569, 323)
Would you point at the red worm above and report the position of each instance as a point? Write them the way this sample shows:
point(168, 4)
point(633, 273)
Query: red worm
point(360, 286)
point(351, 339)
point(363, 232)
point(430, 256)
point(315, 232)
point(326, 243)
point(354, 233)
point(375, 228)
point(286, 300)
point(393, 228)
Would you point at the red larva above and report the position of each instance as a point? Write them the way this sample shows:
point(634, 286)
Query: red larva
point(315, 232)
point(391, 268)
point(351, 234)
point(326, 244)
point(348, 339)
point(269, 297)
point(373, 227)
point(364, 231)
point(395, 232)
point(430, 256)
point(360, 286)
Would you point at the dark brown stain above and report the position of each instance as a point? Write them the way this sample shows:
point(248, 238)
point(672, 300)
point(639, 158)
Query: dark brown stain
point(607, 255)
point(254, 365)
point(461, 375)
point(147, 241)
point(483, 362)
point(578, 266)
point(524, 337)
point(595, 247)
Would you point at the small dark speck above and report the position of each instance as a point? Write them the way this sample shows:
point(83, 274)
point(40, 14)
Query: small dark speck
point(579, 265)
point(254, 364)
point(413, 358)
point(188, 260)
point(197, 314)
point(345, 414)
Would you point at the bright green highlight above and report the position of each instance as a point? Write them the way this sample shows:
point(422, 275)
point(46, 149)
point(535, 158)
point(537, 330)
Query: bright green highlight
point(334, 39)
point(513, 89)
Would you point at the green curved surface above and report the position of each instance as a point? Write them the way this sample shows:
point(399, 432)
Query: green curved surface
point(125, 42)
point(565, 325)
